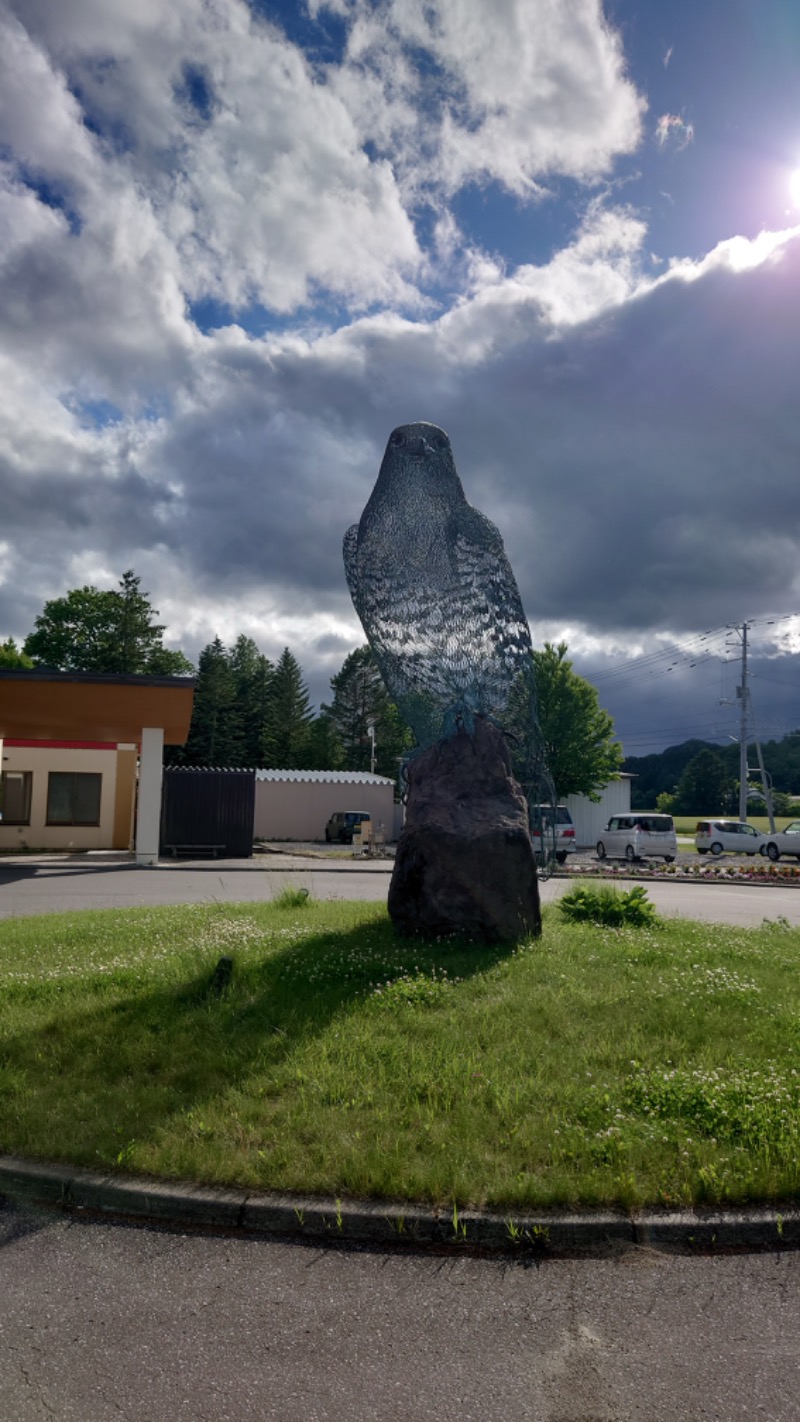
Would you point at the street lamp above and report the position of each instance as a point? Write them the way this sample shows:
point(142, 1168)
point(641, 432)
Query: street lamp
point(371, 734)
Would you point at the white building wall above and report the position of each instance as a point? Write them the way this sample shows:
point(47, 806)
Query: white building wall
point(300, 809)
point(590, 819)
point(40, 761)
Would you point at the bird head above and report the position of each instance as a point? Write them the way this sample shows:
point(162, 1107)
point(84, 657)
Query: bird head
point(419, 441)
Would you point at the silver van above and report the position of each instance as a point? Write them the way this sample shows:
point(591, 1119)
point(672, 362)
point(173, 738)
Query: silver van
point(635, 837)
point(553, 824)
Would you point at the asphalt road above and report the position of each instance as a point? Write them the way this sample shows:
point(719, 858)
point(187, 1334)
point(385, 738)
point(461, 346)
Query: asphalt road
point(102, 1322)
point(51, 885)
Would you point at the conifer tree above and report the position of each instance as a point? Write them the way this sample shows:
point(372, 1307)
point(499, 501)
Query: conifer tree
point(215, 735)
point(324, 749)
point(253, 676)
point(360, 700)
point(292, 716)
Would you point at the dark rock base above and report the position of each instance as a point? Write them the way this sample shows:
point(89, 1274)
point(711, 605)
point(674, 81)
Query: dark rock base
point(465, 863)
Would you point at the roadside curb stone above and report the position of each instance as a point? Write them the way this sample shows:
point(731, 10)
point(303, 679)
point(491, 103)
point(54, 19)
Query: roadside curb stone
point(387, 1225)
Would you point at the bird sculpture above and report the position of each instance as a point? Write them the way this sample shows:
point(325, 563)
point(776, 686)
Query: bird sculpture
point(434, 590)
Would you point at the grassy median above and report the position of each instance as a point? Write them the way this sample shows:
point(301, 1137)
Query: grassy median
point(656, 1065)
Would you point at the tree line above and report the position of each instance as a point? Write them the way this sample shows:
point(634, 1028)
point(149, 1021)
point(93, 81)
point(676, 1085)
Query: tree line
point(700, 777)
point(252, 712)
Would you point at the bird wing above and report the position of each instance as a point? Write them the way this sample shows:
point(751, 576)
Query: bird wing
point(350, 549)
point(500, 632)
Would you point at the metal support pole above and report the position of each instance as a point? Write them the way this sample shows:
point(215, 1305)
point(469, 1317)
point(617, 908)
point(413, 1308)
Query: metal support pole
point(744, 693)
point(766, 784)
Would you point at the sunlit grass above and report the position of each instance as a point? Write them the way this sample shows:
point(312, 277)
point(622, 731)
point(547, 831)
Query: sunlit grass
point(594, 1066)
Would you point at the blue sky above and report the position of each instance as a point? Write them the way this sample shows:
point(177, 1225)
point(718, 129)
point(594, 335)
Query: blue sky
point(239, 243)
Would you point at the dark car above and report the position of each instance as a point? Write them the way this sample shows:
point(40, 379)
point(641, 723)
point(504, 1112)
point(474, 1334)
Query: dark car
point(343, 825)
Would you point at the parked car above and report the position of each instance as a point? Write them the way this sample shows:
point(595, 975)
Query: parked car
point(542, 821)
point(343, 825)
point(635, 837)
point(728, 836)
point(786, 841)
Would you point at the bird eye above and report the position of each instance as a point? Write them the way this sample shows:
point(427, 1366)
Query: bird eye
point(440, 442)
point(397, 438)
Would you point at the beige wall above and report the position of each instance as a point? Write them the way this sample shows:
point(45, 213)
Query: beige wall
point(39, 835)
point(299, 809)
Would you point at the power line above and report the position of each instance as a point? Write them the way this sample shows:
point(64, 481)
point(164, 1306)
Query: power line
point(658, 664)
point(679, 652)
point(689, 649)
point(779, 681)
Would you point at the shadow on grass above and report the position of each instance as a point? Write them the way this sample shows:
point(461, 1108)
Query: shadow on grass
point(86, 1082)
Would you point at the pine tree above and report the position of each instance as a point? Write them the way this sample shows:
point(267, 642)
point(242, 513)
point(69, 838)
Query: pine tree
point(215, 735)
point(360, 700)
point(324, 749)
point(254, 677)
point(292, 716)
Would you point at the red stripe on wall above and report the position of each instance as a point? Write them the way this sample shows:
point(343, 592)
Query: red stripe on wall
point(63, 745)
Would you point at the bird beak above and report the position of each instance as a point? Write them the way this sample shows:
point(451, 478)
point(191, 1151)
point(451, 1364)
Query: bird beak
point(419, 446)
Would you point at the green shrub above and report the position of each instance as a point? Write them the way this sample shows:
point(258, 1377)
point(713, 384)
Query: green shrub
point(589, 903)
point(292, 898)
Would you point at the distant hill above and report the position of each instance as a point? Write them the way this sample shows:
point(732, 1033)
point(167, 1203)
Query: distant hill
point(662, 771)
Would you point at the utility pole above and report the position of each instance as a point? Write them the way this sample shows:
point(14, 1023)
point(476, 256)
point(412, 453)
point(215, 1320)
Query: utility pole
point(743, 696)
point(743, 693)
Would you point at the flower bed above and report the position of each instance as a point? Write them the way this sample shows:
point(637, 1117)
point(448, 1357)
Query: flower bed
point(786, 875)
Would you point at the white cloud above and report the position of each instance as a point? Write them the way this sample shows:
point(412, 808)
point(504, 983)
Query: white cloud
point(214, 143)
point(737, 254)
point(480, 90)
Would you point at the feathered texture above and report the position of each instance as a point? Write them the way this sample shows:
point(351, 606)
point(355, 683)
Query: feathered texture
point(433, 587)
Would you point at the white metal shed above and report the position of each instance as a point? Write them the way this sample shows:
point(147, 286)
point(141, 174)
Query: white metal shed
point(296, 804)
point(590, 819)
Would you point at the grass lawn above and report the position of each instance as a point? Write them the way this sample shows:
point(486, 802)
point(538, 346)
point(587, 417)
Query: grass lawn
point(658, 1065)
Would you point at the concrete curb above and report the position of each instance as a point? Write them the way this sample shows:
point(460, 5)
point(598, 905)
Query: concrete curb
point(388, 1225)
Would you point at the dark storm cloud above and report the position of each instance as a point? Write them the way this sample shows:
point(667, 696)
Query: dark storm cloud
point(635, 442)
point(640, 465)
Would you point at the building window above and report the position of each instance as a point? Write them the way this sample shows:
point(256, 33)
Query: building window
point(15, 797)
point(73, 799)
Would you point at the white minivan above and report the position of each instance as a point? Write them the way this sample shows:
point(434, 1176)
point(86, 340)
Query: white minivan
point(635, 837)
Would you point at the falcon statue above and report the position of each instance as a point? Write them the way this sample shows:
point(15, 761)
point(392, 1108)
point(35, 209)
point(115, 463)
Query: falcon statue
point(433, 587)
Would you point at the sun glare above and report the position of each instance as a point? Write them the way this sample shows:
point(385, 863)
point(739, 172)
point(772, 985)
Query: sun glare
point(794, 187)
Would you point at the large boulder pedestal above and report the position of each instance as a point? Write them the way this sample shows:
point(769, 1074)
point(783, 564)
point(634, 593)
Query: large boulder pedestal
point(465, 863)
